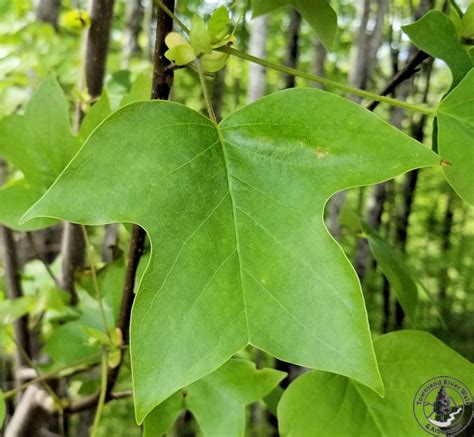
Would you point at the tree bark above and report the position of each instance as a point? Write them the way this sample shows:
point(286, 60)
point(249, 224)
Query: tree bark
point(292, 48)
point(14, 291)
point(257, 47)
point(320, 54)
point(132, 30)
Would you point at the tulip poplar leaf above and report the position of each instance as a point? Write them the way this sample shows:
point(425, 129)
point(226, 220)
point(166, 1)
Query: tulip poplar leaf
point(217, 401)
point(234, 212)
point(436, 34)
point(323, 403)
point(456, 137)
point(39, 143)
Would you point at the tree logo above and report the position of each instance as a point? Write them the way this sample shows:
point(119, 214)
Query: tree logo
point(443, 405)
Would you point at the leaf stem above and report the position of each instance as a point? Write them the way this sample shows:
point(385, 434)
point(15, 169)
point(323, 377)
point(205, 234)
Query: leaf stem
point(205, 92)
point(327, 82)
point(95, 282)
point(103, 392)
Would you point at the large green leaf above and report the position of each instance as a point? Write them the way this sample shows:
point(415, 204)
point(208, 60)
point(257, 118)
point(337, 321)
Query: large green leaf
point(456, 137)
point(217, 401)
point(320, 403)
point(40, 144)
point(318, 13)
point(396, 271)
point(436, 34)
point(240, 252)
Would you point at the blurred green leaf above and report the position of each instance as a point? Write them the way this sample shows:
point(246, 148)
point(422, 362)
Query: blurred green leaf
point(467, 23)
point(321, 402)
point(95, 115)
point(217, 401)
point(318, 13)
point(40, 144)
point(13, 309)
point(396, 271)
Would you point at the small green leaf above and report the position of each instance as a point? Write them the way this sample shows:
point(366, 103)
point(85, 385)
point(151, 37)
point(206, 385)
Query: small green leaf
point(180, 51)
point(435, 34)
point(140, 89)
point(13, 309)
point(242, 254)
point(217, 401)
point(397, 273)
point(218, 26)
point(40, 144)
point(456, 137)
point(199, 38)
point(214, 61)
point(95, 115)
point(467, 23)
point(327, 404)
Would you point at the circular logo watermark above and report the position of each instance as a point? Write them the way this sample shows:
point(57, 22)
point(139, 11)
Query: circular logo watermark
point(443, 406)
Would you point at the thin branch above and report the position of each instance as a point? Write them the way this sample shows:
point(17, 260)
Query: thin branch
point(52, 375)
point(95, 282)
point(103, 394)
point(41, 257)
point(327, 82)
point(405, 73)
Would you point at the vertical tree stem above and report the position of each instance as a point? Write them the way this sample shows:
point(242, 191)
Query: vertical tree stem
point(14, 291)
point(103, 393)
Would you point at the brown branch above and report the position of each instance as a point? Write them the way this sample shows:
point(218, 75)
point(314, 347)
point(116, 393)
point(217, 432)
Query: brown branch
point(101, 13)
point(14, 291)
point(404, 74)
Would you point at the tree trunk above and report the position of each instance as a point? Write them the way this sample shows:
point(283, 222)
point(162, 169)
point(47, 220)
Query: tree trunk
point(292, 48)
point(257, 47)
point(320, 54)
point(132, 30)
point(364, 56)
point(47, 11)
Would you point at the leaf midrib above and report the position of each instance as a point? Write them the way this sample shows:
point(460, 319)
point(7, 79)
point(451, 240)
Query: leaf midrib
point(234, 221)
